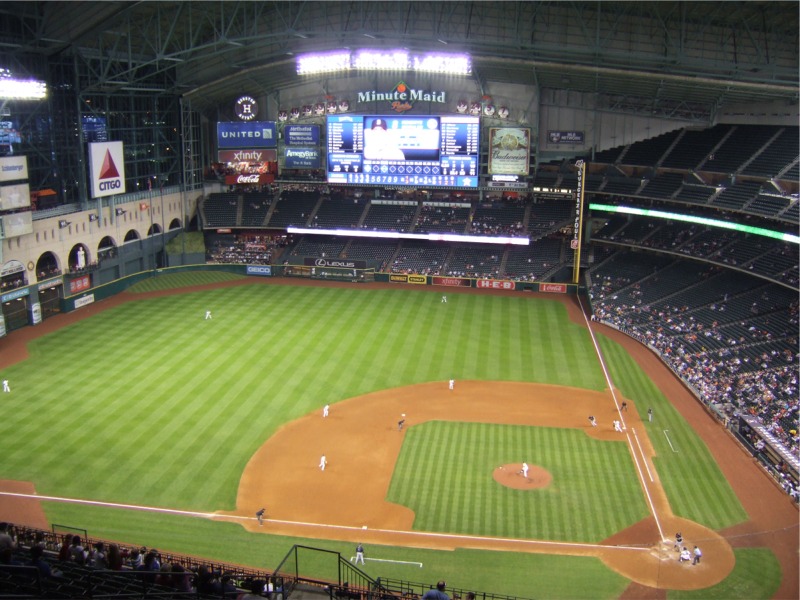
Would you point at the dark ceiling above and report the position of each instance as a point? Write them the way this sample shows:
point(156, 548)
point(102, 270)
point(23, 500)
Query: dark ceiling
point(675, 58)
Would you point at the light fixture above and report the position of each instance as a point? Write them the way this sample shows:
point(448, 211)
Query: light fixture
point(20, 89)
point(63, 224)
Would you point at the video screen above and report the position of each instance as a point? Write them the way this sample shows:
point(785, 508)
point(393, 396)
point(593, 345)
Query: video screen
point(403, 150)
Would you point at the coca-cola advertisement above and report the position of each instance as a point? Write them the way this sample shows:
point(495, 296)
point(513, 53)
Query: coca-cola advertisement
point(249, 178)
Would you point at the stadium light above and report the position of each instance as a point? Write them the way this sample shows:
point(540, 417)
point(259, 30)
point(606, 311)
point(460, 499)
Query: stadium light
point(20, 89)
point(659, 214)
point(384, 60)
point(431, 237)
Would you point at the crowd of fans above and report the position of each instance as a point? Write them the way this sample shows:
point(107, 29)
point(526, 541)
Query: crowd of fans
point(56, 559)
point(245, 249)
point(740, 374)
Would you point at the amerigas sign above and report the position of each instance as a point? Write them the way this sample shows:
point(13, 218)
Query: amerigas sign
point(107, 168)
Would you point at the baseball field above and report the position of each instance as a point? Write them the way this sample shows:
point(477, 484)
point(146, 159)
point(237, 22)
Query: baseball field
point(144, 422)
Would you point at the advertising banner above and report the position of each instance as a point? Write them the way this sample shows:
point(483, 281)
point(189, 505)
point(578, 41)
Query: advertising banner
point(2, 326)
point(261, 270)
point(401, 278)
point(20, 293)
point(15, 196)
point(553, 288)
point(252, 178)
point(301, 135)
point(565, 137)
point(253, 155)
point(328, 262)
point(107, 168)
point(85, 301)
point(247, 134)
point(450, 281)
point(510, 150)
point(36, 313)
point(80, 284)
point(13, 168)
point(418, 279)
point(16, 224)
point(301, 158)
point(495, 284)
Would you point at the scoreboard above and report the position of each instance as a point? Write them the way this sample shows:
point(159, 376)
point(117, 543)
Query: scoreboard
point(431, 151)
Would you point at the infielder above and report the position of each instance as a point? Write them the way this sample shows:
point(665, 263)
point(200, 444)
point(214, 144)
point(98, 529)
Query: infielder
point(325, 410)
point(6, 387)
point(617, 426)
point(452, 383)
point(322, 462)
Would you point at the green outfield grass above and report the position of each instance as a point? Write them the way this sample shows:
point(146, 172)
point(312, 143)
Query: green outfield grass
point(148, 403)
point(441, 476)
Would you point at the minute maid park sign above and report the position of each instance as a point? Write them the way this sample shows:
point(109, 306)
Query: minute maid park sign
point(402, 97)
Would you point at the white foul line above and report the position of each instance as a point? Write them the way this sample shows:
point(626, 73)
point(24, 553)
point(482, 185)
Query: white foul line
point(400, 562)
point(666, 432)
point(454, 536)
point(616, 403)
point(646, 466)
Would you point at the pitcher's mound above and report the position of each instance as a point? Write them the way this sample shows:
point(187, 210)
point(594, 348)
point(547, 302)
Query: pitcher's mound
point(511, 476)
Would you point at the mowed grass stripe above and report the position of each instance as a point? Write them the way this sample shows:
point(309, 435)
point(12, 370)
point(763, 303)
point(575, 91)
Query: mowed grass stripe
point(696, 487)
point(597, 504)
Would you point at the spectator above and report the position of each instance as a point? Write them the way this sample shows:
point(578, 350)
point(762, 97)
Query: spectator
point(114, 557)
point(76, 552)
point(438, 593)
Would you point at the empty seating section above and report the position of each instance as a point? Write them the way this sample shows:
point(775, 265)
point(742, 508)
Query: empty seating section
point(422, 258)
point(703, 321)
point(319, 246)
point(738, 148)
point(649, 152)
point(389, 217)
point(255, 207)
point(379, 251)
point(442, 219)
point(613, 224)
point(662, 186)
point(219, 210)
point(546, 216)
point(694, 194)
point(792, 214)
point(736, 196)
point(475, 261)
point(635, 231)
point(498, 219)
point(769, 205)
point(777, 156)
point(670, 235)
point(294, 208)
point(529, 263)
point(593, 183)
point(339, 213)
point(623, 186)
point(546, 179)
point(609, 156)
point(693, 147)
point(792, 173)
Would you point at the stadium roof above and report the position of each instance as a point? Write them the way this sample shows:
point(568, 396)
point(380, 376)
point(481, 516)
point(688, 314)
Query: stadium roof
point(674, 58)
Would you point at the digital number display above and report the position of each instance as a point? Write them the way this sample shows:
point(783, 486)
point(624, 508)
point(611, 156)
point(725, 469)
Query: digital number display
point(432, 151)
